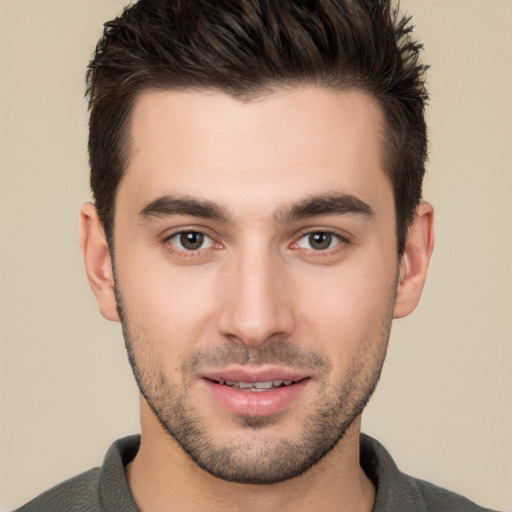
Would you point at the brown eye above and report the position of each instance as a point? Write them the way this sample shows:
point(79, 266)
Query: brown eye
point(191, 241)
point(319, 241)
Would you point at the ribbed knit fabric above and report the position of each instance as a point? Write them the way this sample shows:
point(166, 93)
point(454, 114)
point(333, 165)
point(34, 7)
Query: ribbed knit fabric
point(105, 489)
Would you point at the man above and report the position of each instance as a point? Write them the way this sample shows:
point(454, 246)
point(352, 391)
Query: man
point(257, 225)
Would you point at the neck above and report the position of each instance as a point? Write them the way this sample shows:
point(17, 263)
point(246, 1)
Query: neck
point(162, 477)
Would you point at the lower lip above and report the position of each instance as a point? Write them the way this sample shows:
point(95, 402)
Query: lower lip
point(255, 403)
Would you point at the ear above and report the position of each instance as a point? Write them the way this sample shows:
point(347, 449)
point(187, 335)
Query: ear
point(414, 260)
point(98, 265)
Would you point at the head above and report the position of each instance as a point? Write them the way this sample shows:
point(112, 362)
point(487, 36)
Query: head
point(256, 168)
point(247, 49)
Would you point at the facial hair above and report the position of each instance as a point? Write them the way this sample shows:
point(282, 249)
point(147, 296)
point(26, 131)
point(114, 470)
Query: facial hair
point(251, 459)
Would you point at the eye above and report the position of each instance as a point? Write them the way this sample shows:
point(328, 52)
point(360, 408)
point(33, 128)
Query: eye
point(191, 240)
point(319, 241)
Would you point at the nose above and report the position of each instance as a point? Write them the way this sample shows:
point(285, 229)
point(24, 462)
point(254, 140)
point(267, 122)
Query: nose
point(257, 305)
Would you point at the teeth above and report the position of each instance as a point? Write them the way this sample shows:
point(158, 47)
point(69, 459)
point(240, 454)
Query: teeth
point(256, 386)
point(263, 385)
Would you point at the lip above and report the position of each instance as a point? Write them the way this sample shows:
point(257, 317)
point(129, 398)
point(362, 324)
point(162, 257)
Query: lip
point(250, 403)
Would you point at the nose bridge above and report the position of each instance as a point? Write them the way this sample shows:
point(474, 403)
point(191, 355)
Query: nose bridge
point(258, 306)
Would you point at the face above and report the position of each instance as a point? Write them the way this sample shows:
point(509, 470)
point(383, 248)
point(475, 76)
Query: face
point(256, 272)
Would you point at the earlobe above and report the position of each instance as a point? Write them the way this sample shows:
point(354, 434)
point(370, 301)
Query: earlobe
point(415, 260)
point(98, 265)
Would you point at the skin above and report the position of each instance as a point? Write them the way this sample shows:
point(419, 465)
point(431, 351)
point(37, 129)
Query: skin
point(257, 292)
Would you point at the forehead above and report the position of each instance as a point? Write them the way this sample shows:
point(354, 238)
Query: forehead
point(274, 148)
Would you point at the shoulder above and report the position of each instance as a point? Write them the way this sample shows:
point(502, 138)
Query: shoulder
point(96, 490)
point(442, 500)
point(80, 493)
point(397, 491)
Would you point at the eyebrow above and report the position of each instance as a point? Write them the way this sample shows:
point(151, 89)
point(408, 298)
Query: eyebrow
point(168, 205)
point(321, 205)
point(325, 205)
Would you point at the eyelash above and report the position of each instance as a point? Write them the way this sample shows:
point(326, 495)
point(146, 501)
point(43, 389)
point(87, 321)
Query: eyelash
point(339, 243)
point(173, 246)
point(332, 237)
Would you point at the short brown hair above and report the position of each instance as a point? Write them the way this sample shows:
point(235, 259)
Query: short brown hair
point(246, 48)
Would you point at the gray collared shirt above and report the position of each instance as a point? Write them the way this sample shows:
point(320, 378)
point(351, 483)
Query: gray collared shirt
point(105, 489)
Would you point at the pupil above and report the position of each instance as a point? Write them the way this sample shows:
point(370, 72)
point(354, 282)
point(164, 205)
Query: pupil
point(320, 241)
point(191, 240)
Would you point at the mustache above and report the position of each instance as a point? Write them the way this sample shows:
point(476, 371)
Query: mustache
point(277, 352)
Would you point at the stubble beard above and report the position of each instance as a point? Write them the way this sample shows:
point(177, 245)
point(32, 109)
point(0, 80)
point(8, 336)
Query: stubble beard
point(241, 460)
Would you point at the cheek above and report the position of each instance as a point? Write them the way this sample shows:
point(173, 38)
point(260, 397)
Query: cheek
point(172, 306)
point(347, 309)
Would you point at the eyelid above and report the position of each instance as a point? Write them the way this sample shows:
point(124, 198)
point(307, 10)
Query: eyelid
point(344, 237)
point(335, 238)
point(177, 236)
point(175, 247)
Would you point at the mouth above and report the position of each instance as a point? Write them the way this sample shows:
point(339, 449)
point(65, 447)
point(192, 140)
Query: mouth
point(256, 393)
point(256, 387)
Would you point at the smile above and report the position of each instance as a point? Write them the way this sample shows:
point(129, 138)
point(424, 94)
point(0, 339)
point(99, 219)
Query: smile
point(256, 386)
point(258, 397)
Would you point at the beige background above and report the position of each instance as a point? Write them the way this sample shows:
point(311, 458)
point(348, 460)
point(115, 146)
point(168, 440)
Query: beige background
point(443, 408)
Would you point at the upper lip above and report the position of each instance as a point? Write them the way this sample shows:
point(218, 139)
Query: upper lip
point(251, 375)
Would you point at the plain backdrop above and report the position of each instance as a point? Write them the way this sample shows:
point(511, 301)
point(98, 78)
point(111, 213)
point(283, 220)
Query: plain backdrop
point(443, 408)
